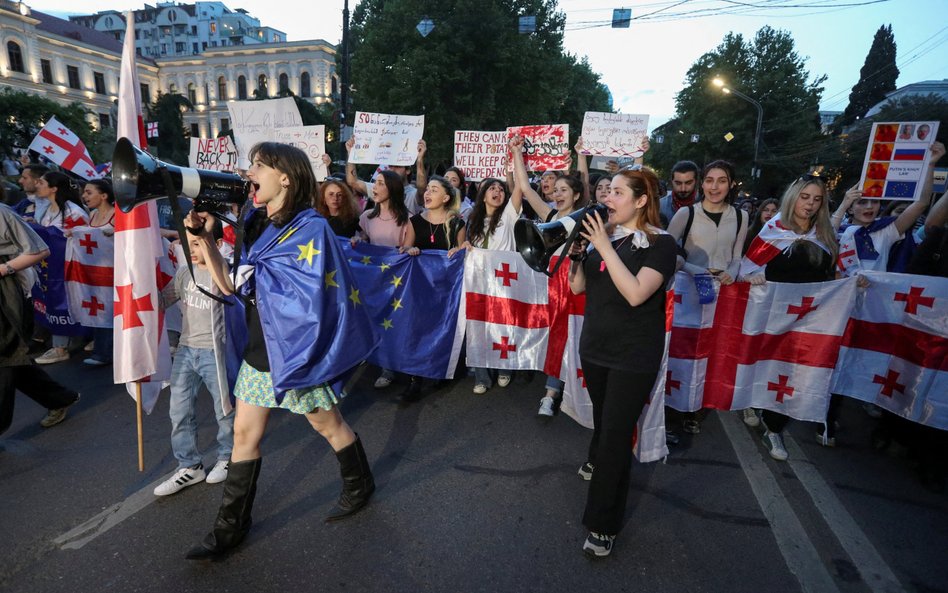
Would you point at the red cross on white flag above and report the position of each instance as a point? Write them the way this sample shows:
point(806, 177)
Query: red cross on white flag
point(89, 276)
point(151, 129)
point(57, 143)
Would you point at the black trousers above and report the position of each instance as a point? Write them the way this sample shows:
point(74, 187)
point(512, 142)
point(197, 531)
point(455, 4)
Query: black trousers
point(33, 382)
point(618, 398)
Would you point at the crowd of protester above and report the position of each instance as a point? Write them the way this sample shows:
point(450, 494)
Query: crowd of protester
point(700, 226)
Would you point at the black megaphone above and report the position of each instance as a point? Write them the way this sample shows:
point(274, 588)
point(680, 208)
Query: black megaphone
point(537, 243)
point(138, 177)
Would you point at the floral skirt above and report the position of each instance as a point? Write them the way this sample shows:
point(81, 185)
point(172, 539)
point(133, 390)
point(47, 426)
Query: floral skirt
point(256, 388)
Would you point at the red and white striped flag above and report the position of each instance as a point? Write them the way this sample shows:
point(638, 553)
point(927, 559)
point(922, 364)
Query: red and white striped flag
point(895, 350)
point(89, 276)
point(141, 345)
point(60, 145)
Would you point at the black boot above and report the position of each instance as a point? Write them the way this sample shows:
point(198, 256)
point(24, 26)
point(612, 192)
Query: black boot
point(233, 519)
point(357, 482)
point(413, 392)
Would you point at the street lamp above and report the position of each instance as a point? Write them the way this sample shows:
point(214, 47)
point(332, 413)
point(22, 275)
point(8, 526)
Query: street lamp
point(718, 82)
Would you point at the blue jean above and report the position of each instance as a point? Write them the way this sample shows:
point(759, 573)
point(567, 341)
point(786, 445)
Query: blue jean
point(554, 384)
point(103, 344)
point(191, 366)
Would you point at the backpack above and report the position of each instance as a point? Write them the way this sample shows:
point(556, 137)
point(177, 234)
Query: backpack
point(691, 218)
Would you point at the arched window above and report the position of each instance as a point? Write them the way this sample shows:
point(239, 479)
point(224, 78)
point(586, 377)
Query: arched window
point(304, 84)
point(222, 88)
point(242, 88)
point(192, 93)
point(284, 82)
point(334, 87)
point(16, 56)
point(172, 89)
point(262, 83)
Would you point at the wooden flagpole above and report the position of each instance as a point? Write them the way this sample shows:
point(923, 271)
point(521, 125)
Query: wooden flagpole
point(138, 417)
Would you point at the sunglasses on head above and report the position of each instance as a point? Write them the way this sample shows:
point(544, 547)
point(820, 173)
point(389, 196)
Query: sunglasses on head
point(813, 177)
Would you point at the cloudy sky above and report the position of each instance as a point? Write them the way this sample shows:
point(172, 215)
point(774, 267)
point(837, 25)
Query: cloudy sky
point(644, 65)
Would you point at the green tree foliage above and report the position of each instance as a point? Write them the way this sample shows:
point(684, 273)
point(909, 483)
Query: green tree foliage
point(26, 113)
point(767, 69)
point(172, 145)
point(876, 78)
point(474, 71)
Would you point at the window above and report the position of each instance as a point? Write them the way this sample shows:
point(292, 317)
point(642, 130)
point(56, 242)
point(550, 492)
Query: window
point(334, 89)
point(241, 88)
point(213, 27)
point(172, 89)
point(262, 83)
point(195, 131)
point(16, 56)
point(179, 47)
point(194, 47)
point(72, 73)
point(222, 88)
point(145, 92)
point(192, 93)
point(194, 30)
point(225, 124)
point(304, 84)
point(47, 69)
point(284, 82)
point(104, 121)
point(99, 79)
point(138, 51)
point(204, 45)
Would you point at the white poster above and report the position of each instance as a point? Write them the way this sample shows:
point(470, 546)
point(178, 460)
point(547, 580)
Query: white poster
point(255, 121)
point(897, 159)
point(309, 139)
point(614, 134)
point(213, 154)
point(481, 154)
point(381, 138)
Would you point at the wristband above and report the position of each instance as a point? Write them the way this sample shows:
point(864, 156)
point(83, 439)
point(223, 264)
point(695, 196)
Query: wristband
point(8, 270)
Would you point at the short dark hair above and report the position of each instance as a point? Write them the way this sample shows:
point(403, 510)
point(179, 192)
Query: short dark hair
point(685, 167)
point(36, 170)
point(105, 187)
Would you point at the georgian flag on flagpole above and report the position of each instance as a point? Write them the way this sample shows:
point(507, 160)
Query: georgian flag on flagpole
point(141, 345)
point(894, 353)
point(89, 276)
point(152, 129)
point(60, 145)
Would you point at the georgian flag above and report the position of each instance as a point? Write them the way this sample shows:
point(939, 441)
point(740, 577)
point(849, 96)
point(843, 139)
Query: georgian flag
point(60, 145)
point(894, 353)
point(151, 129)
point(89, 276)
point(773, 239)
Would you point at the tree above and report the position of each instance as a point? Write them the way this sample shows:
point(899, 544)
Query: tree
point(26, 113)
point(767, 69)
point(173, 145)
point(876, 78)
point(473, 71)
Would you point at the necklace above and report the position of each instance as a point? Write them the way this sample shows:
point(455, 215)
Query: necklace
point(432, 230)
point(602, 264)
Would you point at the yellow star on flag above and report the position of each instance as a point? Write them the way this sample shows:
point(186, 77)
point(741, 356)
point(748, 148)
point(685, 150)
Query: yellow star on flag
point(287, 234)
point(384, 267)
point(354, 297)
point(387, 323)
point(366, 260)
point(307, 252)
point(396, 305)
point(396, 281)
point(330, 279)
point(44, 264)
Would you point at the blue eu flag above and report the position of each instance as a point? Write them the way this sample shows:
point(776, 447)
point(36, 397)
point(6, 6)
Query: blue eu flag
point(413, 302)
point(314, 321)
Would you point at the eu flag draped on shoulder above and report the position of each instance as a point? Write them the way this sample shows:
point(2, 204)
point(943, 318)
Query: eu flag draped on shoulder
point(299, 269)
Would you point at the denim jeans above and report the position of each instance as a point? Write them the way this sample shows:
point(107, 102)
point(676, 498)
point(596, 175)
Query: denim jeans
point(103, 344)
point(554, 384)
point(191, 366)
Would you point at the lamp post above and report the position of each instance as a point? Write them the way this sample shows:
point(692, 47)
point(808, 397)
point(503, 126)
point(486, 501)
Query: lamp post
point(718, 82)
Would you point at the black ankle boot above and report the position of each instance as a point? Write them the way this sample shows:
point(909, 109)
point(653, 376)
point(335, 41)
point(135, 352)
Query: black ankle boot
point(411, 393)
point(233, 519)
point(357, 482)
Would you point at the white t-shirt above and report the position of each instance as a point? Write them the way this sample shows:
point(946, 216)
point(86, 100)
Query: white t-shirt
point(882, 241)
point(503, 237)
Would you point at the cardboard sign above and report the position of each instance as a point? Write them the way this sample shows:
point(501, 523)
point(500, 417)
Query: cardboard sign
point(897, 160)
point(545, 148)
point(255, 121)
point(481, 154)
point(309, 139)
point(381, 138)
point(614, 134)
point(213, 154)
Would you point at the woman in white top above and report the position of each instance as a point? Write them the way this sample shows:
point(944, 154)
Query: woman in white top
point(100, 199)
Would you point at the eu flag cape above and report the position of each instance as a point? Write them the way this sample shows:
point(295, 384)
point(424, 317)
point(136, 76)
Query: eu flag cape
point(314, 323)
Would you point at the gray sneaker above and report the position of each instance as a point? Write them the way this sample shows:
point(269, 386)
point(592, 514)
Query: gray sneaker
point(598, 545)
point(546, 407)
point(55, 416)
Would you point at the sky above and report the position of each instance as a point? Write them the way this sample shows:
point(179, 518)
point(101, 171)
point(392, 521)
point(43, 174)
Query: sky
point(644, 66)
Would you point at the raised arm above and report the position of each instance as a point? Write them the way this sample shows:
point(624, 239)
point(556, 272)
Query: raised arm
point(908, 217)
point(216, 264)
point(852, 194)
point(352, 179)
point(421, 173)
point(582, 164)
point(522, 181)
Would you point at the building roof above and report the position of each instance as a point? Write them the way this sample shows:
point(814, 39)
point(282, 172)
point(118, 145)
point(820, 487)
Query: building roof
point(916, 89)
point(71, 30)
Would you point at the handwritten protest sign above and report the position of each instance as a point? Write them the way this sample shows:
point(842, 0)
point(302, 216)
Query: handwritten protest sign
point(481, 154)
point(214, 154)
point(545, 148)
point(309, 139)
point(614, 134)
point(255, 121)
point(386, 139)
point(897, 159)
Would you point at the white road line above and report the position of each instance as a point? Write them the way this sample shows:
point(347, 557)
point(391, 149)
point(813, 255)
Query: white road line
point(872, 568)
point(798, 551)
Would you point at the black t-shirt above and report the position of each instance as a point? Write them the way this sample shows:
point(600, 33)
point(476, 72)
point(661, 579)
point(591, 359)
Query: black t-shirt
point(616, 334)
point(434, 236)
point(342, 228)
point(255, 352)
point(796, 267)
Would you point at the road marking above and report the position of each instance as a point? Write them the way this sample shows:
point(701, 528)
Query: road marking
point(872, 568)
point(798, 550)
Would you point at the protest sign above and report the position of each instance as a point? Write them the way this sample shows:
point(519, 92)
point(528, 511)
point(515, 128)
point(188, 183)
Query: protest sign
point(545, 148)
point(897, 160)
point(382, 138)
point(614, 134)
point(601, 162)
point(255, 121)
point(213, 154)
point(309, 139)
point(481, 154)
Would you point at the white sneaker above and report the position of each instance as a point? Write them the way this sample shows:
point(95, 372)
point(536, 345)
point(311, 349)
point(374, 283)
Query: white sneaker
point(503, 380)
point(774, 443)
point(598, 545)
point(179, 480)
point(382, 382)
point(218, 473)
point(546, 406)
point(480, 389)
point(53, 355)
point(750, 418)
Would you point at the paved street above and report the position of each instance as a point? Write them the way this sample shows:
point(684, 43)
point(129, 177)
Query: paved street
point(474, 494)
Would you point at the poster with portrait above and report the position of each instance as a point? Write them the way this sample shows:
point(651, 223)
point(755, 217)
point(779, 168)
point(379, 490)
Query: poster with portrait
point(387, 139)
point(545, 147)
point(897, 160)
